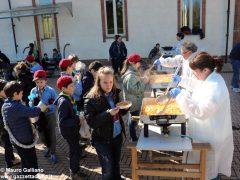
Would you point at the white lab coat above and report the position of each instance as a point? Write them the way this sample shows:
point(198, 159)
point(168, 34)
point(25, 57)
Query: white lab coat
point(172, 62)
point(209, 114)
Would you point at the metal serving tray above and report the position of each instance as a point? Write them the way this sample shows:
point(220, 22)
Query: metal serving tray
point(160, 81)
point(158, 117)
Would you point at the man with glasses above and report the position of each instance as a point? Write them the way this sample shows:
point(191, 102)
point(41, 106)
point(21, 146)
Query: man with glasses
point(188, 52)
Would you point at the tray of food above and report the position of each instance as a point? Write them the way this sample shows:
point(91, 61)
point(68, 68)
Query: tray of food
point(152, 111)
point(160, 81)
point(124, 104)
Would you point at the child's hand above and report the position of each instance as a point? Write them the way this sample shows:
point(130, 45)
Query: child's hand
point(114, 111)
point(78, 76)
point(42, 106)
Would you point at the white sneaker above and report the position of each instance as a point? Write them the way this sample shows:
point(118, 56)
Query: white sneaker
point(236, 90)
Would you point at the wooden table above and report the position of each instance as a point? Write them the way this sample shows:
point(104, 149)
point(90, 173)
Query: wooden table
point(151, 169)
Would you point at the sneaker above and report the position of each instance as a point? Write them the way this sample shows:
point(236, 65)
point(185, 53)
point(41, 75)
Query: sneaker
point(236, 90)
point(16, 161)
point(53, 159)
point(79, 176)
point(46, 152)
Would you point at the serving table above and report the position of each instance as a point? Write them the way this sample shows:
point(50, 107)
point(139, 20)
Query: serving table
point(157, 141)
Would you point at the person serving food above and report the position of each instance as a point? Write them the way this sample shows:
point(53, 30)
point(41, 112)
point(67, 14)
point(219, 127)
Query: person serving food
point(208, 109)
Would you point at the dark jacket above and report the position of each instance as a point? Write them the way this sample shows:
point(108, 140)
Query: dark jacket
point(17, 118)
point(235, 53)
point(1, 118)
point(87, 83)
point(118, 51)
point(68, 120)
point(95, 111)
point(4, 58)
point(26, 80)
point(154, 52)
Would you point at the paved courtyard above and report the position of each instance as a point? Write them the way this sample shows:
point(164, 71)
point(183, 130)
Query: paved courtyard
point(91, 166)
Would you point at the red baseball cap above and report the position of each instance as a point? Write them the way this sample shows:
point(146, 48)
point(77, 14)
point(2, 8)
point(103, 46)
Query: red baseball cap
point(63, 81)
point(30, 58)
point(134, 58)
point(65, 63)
point(40, 74)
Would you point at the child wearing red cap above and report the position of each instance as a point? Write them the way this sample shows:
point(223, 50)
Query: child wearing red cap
point(69, 123)
point(66, 67)
point(33, 65)
point(46, 124)
point(133, 88)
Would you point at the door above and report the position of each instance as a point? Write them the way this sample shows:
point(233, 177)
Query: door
point(47, 31)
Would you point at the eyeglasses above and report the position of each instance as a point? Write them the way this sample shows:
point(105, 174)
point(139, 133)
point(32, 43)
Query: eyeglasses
point(185, 52)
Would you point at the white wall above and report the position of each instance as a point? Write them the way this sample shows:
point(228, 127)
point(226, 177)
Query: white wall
point(24, 30)
point(216, 28)
point(149, 22)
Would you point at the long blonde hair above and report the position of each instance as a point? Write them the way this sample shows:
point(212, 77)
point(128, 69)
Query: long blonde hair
point(96, 89)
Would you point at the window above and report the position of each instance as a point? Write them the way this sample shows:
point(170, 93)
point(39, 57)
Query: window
point(192, 16)
point(114, 18)
point(47, 25)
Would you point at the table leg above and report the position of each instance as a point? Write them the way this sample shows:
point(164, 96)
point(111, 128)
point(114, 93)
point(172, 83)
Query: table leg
point(183, 128)
point(134, 164)
point(203, 154)
point(145, 132)
point(155, 93)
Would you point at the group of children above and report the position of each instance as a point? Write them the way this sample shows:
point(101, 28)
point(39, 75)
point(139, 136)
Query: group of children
point(44, 104)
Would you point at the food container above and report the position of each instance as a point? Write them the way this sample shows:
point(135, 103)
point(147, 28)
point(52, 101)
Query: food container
point(42, 106)
point(124, 104)
point(152, 113)
point(160, 81)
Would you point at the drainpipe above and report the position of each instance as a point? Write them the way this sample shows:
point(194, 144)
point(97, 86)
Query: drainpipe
point(68, 44)
point(227, 35)
point(13, 26)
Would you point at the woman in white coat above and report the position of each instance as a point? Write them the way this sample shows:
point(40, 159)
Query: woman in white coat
point(208, 108)
point(188, 52)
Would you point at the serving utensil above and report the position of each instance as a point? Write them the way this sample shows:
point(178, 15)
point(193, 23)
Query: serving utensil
point(165, 96)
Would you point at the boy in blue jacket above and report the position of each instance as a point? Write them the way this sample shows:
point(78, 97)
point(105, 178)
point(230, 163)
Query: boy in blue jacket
point(9, 156)
point(47, 120)
point(16, 120)
point(69, 123)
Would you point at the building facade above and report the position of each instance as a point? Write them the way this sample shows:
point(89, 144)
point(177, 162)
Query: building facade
point(87, 27)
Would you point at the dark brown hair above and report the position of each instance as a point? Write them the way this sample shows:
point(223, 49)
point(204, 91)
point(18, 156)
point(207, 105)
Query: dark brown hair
point(21, 67)
point(95, 65)
point(73, 58)
point(12, 87)
point(2, 84)
point(204, 60)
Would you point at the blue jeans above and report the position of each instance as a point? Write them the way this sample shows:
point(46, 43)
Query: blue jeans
point(235, 67)
point(109, 154)
point(132, 126)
